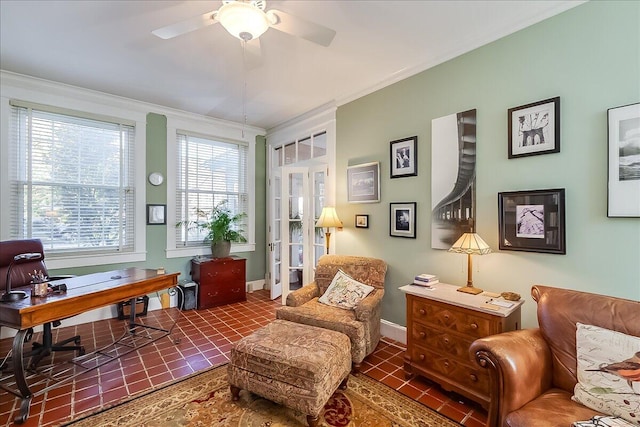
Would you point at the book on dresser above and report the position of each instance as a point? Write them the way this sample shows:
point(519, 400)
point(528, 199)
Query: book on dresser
point(425, 280)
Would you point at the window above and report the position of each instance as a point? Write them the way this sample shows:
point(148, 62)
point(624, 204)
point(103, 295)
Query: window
point(209, 172)
point(71, 180)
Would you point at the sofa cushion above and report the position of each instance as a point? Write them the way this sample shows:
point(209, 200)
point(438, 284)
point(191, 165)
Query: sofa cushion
point(370, 271)
point(345, 292)
point(551, 409)
point(608, 372)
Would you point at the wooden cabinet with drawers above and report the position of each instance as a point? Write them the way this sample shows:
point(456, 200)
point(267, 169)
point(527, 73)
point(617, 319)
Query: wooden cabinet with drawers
point(220, 280)
point(441, 325)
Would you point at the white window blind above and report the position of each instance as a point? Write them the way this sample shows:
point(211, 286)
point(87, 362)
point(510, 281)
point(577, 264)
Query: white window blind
point(209, 172)
point(71, 180)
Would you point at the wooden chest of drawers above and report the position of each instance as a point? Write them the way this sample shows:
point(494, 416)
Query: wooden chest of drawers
point(220, 280)
point(441, 325)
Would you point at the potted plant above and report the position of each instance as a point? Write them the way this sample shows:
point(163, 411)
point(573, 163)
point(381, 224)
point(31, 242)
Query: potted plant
point(222, 228)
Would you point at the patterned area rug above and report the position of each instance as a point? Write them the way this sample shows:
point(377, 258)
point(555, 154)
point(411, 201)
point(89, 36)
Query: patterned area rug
point(203, 399)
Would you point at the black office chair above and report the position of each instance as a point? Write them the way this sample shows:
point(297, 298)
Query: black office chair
point(21, 269)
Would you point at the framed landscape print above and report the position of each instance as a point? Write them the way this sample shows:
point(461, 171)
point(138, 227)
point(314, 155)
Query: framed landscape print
point(532, 221)
point(402, 220)
point(363, 183)
point(534, 128)
point(624, 161)
point(404, 157)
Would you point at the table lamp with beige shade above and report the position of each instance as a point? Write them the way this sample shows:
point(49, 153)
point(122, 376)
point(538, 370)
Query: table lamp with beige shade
point(328, 218)
point(470, 244)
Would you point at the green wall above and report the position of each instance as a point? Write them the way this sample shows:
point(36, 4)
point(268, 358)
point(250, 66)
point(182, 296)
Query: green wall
point(156, 161)
point(590, 57)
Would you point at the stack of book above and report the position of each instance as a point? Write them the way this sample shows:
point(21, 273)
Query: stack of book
point(425, 280)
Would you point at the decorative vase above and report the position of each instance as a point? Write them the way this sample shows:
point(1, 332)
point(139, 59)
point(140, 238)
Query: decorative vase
point(221, 249)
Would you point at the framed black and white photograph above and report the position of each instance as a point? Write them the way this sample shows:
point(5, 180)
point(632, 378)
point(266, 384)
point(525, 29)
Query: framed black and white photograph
point(363, 183)
point(362, 221)
point(404, 157)
point(534, 128)
point(156, 214)
point(402, 219)
point(624, 161)
point(532, 221)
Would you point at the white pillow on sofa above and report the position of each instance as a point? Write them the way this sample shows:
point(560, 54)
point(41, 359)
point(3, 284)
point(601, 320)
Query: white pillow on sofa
point(602, 385)
point(345, 292)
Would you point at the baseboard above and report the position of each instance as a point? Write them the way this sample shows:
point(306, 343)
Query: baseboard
point(393, 331)
point(255, 285)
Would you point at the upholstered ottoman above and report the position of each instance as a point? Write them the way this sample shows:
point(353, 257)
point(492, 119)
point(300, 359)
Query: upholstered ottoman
point(296, 365)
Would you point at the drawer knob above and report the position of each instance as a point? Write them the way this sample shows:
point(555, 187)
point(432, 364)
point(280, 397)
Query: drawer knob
point(422, 335)
point(446, 316)
point(446, 364)
point(422, 357)
point(422, 312)
point(446, 341)
point(474, 378)
point(474, 326)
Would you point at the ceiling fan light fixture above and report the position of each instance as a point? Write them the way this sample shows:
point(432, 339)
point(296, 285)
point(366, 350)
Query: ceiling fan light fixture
point(243, 20)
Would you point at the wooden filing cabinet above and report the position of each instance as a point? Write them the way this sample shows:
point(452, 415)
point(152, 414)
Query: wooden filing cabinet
point(220, 280)
point(441, 325)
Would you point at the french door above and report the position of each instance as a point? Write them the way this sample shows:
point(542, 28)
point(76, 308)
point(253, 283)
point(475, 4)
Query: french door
point(297, 195)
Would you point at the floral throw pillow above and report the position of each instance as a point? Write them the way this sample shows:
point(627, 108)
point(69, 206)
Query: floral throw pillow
point(345, 292)
point(608, 372)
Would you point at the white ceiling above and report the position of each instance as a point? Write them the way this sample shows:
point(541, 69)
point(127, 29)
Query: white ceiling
point(108, 46)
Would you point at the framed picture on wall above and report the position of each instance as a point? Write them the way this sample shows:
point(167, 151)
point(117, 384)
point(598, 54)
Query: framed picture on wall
point(532, 221)
point(156, 214)
point(402, 219)
point(363, 183)
point(534, 128)
point(404, 157)
point(624, 161)
point(362, 221)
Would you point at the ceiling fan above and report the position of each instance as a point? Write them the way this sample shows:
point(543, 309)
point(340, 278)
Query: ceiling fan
point(248, 20)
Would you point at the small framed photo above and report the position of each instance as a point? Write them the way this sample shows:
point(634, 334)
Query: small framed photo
point(363, 183)
point(532, 221)
point(362, 221)
point(624, 161)
point(534, 128)
point(402, 219)
point(404, 157)
point(156, 214)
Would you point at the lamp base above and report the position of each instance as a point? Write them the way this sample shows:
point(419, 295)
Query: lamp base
point(470, 290)
point(13, 296)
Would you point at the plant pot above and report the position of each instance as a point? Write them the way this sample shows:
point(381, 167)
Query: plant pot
point(221, 249)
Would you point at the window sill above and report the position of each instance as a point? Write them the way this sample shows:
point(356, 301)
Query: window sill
point(89, 260)
point(206, 250)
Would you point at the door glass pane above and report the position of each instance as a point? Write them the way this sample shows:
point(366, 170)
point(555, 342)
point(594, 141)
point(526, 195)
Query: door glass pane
point(319, 144)
point(277, 247)
point(276, 160)
point(304, 149)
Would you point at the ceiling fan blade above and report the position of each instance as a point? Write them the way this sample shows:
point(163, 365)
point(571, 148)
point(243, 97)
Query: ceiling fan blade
point(302, 28)
point(179, 28)
point(253, 54)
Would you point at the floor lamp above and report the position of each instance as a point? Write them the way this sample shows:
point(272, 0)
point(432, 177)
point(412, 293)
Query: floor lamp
point(328, 218)
point(470, 244)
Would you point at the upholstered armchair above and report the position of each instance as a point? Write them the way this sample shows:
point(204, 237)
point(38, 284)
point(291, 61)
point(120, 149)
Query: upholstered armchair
point(533, 372)
point(361, 324)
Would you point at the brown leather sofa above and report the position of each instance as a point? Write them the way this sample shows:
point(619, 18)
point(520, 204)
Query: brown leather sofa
point(533, 371)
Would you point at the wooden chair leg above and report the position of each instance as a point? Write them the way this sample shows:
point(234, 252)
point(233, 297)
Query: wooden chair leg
point(355, 368)
point(343, 384)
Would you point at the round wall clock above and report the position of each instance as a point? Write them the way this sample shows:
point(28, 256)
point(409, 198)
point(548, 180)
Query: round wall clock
point(156, 178)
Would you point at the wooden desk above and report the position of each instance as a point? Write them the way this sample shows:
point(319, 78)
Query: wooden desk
point(84, 293)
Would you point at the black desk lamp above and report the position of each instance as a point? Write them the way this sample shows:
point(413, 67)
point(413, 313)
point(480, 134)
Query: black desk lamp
point(12, 296)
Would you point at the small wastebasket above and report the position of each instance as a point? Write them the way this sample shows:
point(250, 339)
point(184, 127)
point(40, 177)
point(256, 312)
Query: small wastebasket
point(187, 295)
point(124, 308)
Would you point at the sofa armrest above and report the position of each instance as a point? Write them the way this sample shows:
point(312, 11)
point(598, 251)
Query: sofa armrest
point(303, 295)
point(367, 306)
point(520, 369)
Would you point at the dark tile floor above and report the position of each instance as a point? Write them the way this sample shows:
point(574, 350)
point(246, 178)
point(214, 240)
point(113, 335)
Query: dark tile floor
point(205, 340)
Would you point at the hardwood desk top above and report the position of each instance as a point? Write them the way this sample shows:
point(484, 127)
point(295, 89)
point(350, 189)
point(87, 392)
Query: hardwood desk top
point(84, 293)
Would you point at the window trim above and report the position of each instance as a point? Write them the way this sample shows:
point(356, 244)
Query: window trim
point(214, 129)
point(69, 98)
